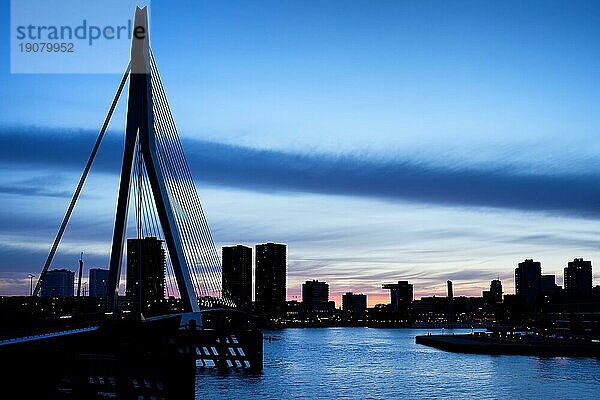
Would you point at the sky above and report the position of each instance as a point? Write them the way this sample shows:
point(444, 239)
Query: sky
point(382, 141)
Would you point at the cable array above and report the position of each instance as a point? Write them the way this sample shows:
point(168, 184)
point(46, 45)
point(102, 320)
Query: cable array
point(198, 245)
point(199, 248)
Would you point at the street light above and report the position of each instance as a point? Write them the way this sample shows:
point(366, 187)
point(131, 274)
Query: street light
point(31, 276)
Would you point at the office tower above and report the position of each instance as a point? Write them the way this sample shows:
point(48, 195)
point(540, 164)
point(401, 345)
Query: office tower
point(237, 275)
point(496, 291)
point(548, 285)
point(271, 266)
point(401, 295)
point(354, 306)
point(578, 278)
point(450, 311)
point(146, 257)
point(315, 296)
point(97, 282)
point(58, 283)
point(528, 276)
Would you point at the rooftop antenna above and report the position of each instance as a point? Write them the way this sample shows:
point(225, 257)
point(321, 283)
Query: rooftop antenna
point(80, 270)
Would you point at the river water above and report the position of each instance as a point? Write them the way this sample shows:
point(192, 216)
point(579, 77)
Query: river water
point(372, 363)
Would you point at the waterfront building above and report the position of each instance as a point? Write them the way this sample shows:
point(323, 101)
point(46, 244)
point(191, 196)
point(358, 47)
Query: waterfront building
point(528, 275)
point(450, 317)
point(431, 309)
point(148, 257)
point(58, 283)
point(270, 288)
point(237, 275)
point(578, 278)
point(496, 290)
point(494, 295)
point(97, 282)
point(293, 310)
point(548, 285)
point(315, 296)
point(354, 306)
point(401, 295)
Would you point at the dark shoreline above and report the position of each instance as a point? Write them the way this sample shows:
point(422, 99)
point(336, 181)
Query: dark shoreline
point(549, 347)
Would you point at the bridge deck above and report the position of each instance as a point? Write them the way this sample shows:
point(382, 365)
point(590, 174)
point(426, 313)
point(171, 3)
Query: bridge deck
point(50, 335)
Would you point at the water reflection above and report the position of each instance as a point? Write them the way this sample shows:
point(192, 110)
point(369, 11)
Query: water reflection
point(363, 363)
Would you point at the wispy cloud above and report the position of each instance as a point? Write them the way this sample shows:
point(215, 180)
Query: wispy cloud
point(347, 175)
point(42, 186)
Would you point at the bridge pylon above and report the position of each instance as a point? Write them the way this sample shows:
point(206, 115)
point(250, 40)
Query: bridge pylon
point(140, 132)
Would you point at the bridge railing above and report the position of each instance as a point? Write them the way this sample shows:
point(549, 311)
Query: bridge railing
point(19, 335)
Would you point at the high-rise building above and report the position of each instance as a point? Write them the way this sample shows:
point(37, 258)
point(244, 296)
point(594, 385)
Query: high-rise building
point(271, 267)
point(496, 290)
point(146, 257)
point(450, 316)
point(315, 296)
point(354, 306)
point(97, 282)
point(237, 275)
point(528, 277)
point(58, 283)
point(578, 278)
point(401, 295)
point(548, 285)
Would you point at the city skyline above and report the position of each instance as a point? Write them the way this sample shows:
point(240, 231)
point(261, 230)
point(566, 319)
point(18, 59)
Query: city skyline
point(293, 199)
point(417, 171)
point(240, 256)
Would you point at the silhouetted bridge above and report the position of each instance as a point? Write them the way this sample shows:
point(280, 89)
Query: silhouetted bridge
point(141, 354)
point(125, 359)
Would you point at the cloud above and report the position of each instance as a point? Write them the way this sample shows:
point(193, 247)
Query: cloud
point(35, 187)
point(346, 175)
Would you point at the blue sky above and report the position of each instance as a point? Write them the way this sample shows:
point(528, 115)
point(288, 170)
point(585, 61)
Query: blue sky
point(381, 140)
